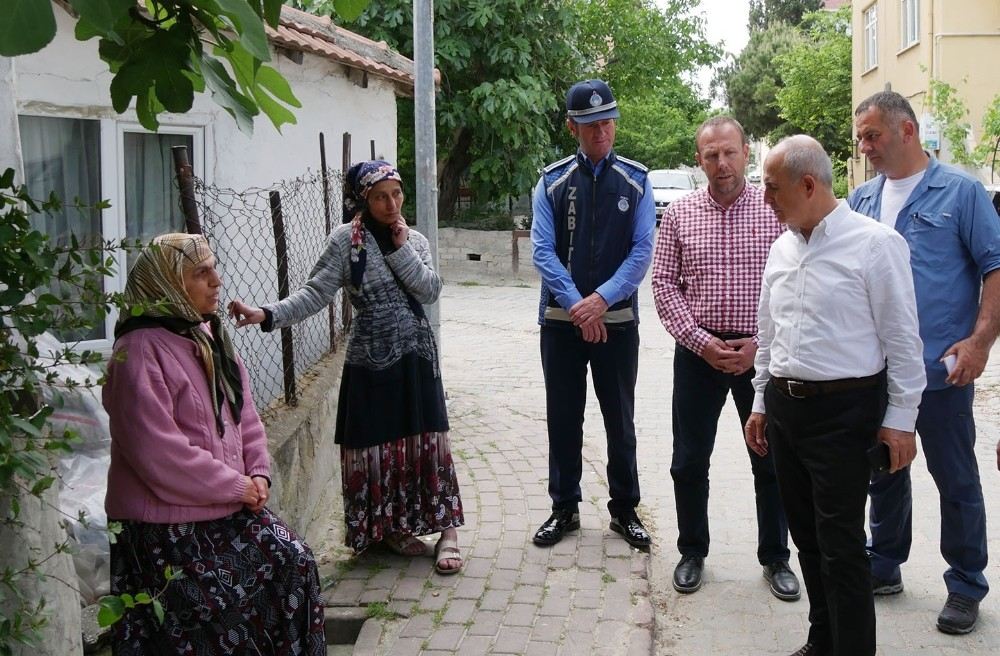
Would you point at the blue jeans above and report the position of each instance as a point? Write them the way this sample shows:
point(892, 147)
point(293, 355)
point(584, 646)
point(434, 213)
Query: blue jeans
point(948, 437)
point(700, 391)
point(614, 367)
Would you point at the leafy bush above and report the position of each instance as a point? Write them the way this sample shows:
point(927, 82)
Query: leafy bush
point(44, 287)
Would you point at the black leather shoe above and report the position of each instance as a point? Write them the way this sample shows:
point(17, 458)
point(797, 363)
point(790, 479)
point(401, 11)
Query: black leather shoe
point(959, 614)
point(556, 526)
point(808, 649)
point(687, 574)
point(630, 528)
point(784, 584)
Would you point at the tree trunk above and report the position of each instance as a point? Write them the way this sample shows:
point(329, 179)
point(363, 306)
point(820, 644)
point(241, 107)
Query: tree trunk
point(451, 168)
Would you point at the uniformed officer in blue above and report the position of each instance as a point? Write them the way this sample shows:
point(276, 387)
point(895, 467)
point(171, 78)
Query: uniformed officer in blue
point(592, 234)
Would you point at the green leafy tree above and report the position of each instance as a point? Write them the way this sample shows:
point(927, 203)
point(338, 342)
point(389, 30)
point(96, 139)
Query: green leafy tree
point(988, 150)
point(504, 67)
point(658, 129)
point(765, 13)
point(638, 45)
point(816, 71)
point(751, 81)
point(644, 51)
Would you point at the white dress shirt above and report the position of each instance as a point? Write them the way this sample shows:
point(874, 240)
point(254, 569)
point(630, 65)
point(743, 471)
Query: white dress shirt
point(839, 306)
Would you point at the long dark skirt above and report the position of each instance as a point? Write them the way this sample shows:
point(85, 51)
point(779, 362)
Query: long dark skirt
point(249, 586)
point(407, 486)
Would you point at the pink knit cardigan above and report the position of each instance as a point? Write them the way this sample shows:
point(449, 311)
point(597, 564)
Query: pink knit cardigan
point(168, 462)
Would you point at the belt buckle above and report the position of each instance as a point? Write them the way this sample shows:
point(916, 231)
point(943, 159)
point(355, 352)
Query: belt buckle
point(791, 385)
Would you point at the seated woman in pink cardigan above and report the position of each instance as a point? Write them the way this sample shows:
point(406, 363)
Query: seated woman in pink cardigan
point(190, 475)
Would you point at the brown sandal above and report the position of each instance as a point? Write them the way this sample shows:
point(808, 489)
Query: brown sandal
point(406, 545)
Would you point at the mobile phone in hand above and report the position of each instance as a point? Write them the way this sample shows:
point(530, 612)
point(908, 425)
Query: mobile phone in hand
point(949, 363)
point(878, 457)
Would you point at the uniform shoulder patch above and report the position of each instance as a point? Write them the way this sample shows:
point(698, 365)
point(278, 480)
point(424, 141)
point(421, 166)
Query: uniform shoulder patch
point(634, 164)
point(561, 163)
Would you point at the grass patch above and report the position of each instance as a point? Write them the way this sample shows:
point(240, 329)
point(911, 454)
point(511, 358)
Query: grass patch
point(607, 578)
point(375, 567)
point(469, 283)
point(345, 566)
point(380, 610)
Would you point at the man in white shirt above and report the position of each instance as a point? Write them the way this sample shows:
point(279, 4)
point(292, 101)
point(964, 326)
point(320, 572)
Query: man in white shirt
point(839, 369)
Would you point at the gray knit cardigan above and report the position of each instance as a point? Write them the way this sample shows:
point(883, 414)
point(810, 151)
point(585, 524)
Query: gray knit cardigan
point(384, 328)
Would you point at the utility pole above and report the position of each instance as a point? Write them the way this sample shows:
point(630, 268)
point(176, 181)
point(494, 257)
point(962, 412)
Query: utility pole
point(426, 137)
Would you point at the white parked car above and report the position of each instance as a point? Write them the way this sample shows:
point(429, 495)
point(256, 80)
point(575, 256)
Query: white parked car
point(669, 185)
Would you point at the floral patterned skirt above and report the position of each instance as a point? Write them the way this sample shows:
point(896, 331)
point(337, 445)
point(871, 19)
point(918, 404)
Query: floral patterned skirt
point(405, 486)
point(247, 585)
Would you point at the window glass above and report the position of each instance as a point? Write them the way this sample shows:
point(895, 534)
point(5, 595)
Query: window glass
point(152, 199)
point(909, 13)
point(871, 37)
point(63, 156)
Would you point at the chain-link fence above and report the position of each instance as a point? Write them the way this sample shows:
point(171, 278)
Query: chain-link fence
point(266, 242)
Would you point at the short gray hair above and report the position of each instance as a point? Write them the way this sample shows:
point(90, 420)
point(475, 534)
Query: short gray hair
point(894, 107)
point(803, 155)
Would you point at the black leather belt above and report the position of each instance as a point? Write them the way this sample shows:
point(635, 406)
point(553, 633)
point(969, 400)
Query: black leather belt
point(803, 389)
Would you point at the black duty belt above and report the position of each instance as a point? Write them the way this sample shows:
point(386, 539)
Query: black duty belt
point(804, 389)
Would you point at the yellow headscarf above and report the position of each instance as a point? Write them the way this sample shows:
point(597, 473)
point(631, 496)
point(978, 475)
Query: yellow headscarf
point(155, 297)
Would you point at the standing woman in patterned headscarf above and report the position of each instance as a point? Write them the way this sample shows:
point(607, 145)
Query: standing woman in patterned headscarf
point(398, 476)
point(190, 475)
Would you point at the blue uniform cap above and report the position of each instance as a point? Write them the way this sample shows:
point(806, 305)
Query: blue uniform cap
point(589, 101)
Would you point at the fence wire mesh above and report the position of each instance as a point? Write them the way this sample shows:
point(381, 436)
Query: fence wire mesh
point(266, 240)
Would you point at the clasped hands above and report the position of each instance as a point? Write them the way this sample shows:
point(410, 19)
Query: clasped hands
point(256, 493)
point(587, 314)
point(732, 356)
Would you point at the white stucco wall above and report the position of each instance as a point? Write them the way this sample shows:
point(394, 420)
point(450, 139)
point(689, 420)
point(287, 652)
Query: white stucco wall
point(67, 78)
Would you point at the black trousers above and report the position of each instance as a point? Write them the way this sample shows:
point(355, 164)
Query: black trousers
point(614, 366)
point(819, 446)
point(699, 394)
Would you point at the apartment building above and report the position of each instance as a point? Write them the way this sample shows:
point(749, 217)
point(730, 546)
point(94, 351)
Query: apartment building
point(904, 44)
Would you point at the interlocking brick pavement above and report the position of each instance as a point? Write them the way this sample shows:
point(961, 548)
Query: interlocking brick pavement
point(591, 593)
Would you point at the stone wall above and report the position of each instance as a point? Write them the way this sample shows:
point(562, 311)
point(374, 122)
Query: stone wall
point(485, 256)
point(305, 461)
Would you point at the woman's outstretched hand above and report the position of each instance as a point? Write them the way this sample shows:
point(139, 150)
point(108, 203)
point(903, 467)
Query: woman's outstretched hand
point(244, 314)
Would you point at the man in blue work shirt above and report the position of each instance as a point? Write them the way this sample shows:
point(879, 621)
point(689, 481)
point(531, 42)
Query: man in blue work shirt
point(592, 234)
point(954, 238)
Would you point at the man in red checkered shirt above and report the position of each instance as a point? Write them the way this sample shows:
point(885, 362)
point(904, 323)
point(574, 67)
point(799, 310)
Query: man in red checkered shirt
point(707, 266)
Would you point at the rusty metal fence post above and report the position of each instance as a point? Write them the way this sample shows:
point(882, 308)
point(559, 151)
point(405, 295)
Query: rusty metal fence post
point(185, 182)
point(345, 160)
point(281, 255)
point(331, 309)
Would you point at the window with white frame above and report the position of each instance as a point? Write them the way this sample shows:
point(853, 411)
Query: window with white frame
point(909, 28)
point(871, 37)
point(84, 161)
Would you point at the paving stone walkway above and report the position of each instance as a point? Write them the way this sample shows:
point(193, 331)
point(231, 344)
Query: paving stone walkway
point(592, 593)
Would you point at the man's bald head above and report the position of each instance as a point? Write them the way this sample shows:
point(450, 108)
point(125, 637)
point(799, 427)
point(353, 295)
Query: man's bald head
point(802, 155)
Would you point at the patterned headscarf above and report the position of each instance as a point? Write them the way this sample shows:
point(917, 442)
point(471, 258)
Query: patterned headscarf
point(358, 182)
point(155, 289)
